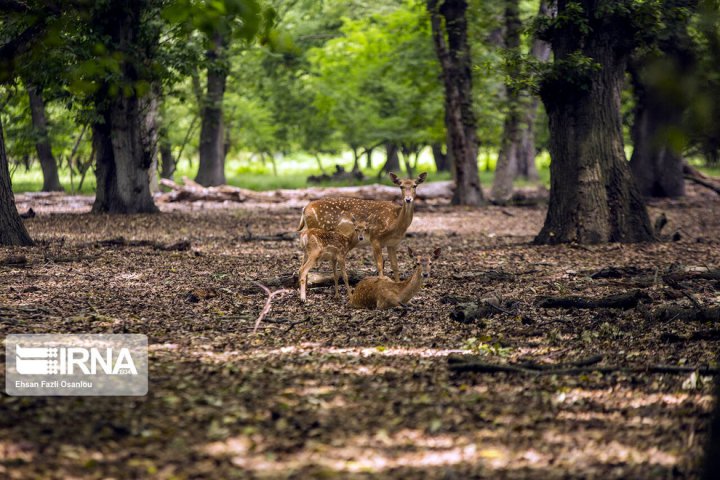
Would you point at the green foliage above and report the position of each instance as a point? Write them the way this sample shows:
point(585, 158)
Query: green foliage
point(379, 81)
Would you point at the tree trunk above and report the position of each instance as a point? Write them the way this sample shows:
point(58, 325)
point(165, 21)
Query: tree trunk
point(123, 161)
point(657, 135)
point(507, 165)
point(51, 180)
point(12, 229)
point(406, 155)
point(593, 197)
point(655, 164)
point(356, 160)
point(368, 155)
point(150, 111)
point(453, 51)
point(392, 160)
point(166, 157)
point(212, 132)
point(440, 157)
point(540, 49)
point(120, 132)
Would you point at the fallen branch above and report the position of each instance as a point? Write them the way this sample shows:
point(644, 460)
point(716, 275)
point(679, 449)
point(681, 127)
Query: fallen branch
point(315, 279)
point(180, 246)
point(268, 303)
point(698, 177)
point(672, 312)
point(706, 274)
point(14, 260)
point(249, 236)
point(623, 300)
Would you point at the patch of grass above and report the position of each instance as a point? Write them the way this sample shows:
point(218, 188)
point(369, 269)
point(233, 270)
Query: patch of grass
point(292, 172)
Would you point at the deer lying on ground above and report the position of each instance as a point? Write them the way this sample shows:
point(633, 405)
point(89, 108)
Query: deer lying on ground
point(319, 244)
point(387, 221)
point(382, 293)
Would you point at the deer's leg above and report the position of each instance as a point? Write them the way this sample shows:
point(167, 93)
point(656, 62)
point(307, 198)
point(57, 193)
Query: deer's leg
point(377, 252)
point(309, 263)
point(387, 300)
point(335, 276)
point(345, 275)
point(392, 253)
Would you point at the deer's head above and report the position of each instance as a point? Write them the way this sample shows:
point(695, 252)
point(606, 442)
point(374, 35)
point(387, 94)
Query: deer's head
point(408, 185)
point(361, 225)
point(425, 261)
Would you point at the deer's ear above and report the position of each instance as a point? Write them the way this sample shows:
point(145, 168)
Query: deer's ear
point(410, 252)
point(421, 178)
point(394, 178)
point(436, 253)
point(352, 217)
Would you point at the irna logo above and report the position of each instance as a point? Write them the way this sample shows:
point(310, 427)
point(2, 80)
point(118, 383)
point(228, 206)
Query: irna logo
point(73, 360)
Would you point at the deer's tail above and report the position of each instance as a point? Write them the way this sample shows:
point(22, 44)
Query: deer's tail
point(302, 224)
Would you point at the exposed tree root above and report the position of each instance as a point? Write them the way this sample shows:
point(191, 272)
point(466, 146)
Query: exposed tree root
point(623, 300)
point(180, 246)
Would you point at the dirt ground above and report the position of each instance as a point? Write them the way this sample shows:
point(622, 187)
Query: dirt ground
point(325, 391)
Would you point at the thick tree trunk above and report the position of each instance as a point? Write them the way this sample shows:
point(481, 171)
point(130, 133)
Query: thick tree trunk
point(657, 162)
point(541, 50)
point(123, 160)
point(51, 180)
point(12, 229)
point(441, 158)
point(392, 160)
point(150, 111)
point(507, 165)
point(453, 51)
point(593, 197)
point(120, 134)
point(212, 131)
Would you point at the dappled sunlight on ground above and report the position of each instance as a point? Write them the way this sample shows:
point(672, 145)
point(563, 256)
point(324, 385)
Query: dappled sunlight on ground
point(322, 390)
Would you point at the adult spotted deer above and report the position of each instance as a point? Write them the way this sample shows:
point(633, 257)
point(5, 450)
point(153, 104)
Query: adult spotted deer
point(334, 246)
point(387, 221)
point(382, 293)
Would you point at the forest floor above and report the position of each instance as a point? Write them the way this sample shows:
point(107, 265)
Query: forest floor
point(325, 391)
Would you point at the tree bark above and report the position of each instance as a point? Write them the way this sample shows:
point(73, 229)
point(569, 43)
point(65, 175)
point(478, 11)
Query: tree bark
point(657, 162)
point(12, 229)
point(150, 135)
point(441, 158)
point(392, 159)
point(120, 133)
point(212, 131)
point(540, 50)
point(507, 165)
point(449, 28)
point(593, 197)
point(123, 161)
point(51, 180)
point(167, 161)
